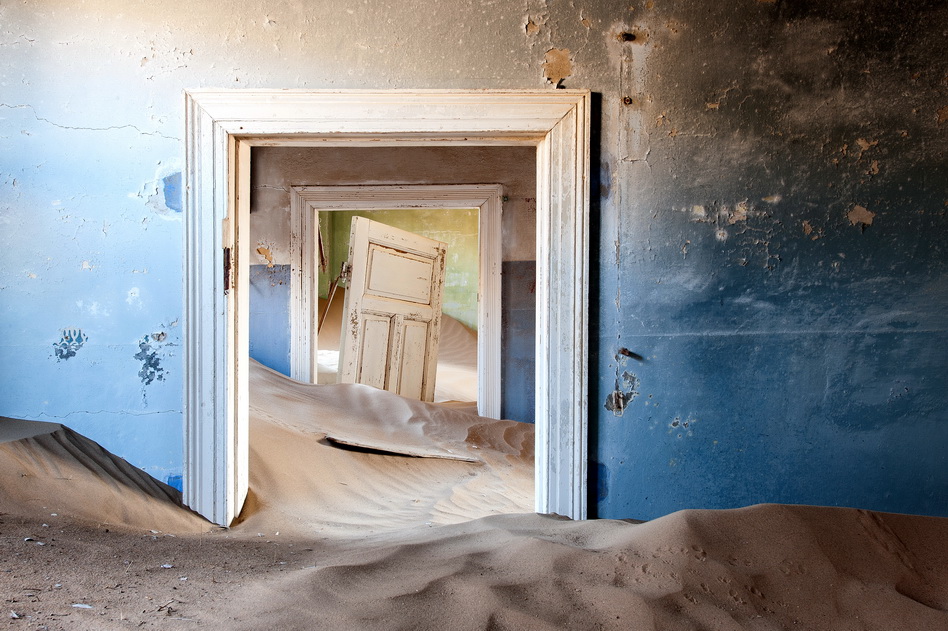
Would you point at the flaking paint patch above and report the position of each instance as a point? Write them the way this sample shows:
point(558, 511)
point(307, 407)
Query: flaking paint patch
point(164, 193)
point(625, 392)
point(860, 215)
point(557, 65)
point(147, 354)
point(810, 231)
point(71, 340)
point(267, 254)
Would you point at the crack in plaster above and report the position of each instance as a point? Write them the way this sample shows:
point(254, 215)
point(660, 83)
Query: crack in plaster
point(110, 128)
point(122, 412)
point(16, 43)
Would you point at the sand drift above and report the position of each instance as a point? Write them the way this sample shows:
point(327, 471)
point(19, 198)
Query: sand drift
point(368, 511)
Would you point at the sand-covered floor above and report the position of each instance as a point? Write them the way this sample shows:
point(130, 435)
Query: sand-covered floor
point(337, 536)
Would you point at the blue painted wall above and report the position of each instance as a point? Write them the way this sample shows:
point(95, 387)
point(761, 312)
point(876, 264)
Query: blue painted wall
point(270, 316)
point(518, 343)
point(769, 209)
point(774, 326)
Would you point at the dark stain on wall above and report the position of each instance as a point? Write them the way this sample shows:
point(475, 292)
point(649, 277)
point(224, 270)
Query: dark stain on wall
point(780, 249)
point(599, 480)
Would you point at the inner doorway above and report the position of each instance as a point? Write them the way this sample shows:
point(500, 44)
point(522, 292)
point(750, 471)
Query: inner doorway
point(437, 202)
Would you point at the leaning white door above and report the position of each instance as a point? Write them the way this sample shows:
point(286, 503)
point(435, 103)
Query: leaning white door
point(392, 320)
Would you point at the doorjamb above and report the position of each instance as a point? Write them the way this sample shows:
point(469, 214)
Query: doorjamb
point(306, 201)
point(220, 128)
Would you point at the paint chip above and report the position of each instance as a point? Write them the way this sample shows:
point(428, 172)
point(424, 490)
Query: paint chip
point(860, 215)
point(531, 27)
point(557, 65)
point(740, 213)
point(865, 145)
point(267, 254)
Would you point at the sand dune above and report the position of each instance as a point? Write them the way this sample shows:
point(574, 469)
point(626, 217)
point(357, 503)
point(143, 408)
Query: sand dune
point(48, 468)
point(346, 538)
point(764, 567)
point(472, 466)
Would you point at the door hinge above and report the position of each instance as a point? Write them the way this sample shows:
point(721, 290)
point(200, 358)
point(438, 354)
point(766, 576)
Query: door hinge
point(227, 270)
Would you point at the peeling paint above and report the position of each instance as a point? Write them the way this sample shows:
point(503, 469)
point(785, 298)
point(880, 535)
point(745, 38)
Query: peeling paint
point(812, 232)
point(267, 254)
point(151, 369)
point(164, 193)
point(625, 392)
point(69, 343)
point(171, 189)
point(860, 215)
point(557, 65)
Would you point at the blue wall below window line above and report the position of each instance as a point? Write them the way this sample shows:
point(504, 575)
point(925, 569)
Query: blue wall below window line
point(270, 316)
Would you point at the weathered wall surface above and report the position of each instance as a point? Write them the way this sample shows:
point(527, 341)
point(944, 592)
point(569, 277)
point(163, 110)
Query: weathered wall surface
point(276, 169)
point(768, 218)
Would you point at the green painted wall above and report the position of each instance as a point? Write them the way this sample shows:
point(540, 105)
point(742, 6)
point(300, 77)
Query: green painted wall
point(456, 228)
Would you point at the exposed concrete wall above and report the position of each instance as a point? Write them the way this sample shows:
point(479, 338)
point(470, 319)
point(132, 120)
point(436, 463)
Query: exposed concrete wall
point(768, 220)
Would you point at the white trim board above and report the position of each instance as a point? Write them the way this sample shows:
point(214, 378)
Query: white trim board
point(221, 125)
point(307, 201)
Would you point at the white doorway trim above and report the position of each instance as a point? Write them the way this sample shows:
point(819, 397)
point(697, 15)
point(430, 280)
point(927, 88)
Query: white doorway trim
point(220, 128)
point(307, 201)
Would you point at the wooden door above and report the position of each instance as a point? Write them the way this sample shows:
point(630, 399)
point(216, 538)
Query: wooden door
point(392, 319)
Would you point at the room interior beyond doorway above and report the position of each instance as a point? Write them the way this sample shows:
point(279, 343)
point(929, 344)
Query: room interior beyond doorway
point(276, 170)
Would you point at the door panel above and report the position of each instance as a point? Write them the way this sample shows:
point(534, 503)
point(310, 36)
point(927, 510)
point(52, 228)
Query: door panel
point(392, 319)
point(398, 275)
point(411, 377)
point(376, 338)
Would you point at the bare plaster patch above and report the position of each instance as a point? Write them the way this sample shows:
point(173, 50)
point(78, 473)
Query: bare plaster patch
point(860, 215)
point(557, 65)
point(165, 193)
point(267, 254)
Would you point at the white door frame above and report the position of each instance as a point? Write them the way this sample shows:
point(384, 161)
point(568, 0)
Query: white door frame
point(220, 128)
point(307, 201)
